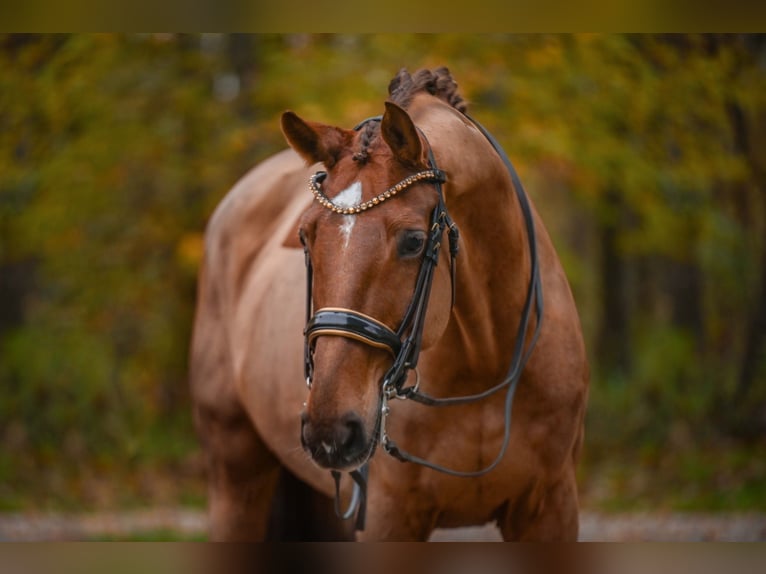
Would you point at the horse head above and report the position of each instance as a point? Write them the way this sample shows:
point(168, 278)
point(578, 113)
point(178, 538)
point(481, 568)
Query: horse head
point(365, 236)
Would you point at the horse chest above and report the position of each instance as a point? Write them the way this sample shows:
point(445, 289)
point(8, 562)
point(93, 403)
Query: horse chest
point(464, 438)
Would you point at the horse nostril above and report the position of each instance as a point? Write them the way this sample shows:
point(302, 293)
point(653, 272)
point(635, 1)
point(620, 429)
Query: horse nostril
point(336, 443)
point(352, 434)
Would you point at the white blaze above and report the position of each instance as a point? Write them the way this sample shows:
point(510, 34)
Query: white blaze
point(346, 198)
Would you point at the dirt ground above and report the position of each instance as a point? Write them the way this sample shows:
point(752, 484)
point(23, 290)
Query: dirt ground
point(182, 523)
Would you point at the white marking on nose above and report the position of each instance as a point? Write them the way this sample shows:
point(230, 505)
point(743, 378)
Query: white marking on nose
point(327, 448)
point(346, 198)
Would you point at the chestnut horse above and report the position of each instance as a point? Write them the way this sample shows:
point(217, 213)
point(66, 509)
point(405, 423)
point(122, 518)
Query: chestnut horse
point(478, 329)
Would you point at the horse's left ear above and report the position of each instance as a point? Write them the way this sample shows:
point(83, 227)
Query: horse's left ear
point(401, 135)
point(315, 142)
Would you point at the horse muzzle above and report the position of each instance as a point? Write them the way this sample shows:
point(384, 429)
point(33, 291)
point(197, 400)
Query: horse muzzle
point(339, 444)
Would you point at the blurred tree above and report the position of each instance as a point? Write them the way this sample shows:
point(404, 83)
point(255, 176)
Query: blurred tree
point(110, 149)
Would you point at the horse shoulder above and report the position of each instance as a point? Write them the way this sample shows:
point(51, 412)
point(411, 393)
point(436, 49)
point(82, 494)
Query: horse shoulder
point(557, 375)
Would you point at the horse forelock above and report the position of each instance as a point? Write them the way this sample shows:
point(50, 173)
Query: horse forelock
point(402, 89)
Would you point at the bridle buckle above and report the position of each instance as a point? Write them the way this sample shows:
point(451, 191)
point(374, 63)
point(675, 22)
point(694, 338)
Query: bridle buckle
point(406, 393)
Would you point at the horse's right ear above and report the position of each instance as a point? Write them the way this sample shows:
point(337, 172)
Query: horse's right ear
point(313, 141)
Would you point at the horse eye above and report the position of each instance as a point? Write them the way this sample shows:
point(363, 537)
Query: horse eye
point(411, 243)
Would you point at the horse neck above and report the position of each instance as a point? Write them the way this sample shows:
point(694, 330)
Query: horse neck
point(492, 274)
point(493, 266)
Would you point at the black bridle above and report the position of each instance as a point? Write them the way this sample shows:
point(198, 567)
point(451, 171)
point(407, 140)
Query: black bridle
point(404, 344)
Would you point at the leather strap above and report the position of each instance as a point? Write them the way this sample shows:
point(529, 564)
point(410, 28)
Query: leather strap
point(358, 502)
point(352, 325)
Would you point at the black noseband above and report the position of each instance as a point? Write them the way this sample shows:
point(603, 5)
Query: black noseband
point(352, 325)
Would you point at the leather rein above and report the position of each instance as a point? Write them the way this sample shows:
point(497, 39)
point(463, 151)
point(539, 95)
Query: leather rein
point(404, 344)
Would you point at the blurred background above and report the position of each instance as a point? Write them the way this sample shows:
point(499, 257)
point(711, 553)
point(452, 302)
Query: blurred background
point(646, 156)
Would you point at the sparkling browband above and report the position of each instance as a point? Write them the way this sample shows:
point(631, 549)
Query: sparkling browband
point(324, 201)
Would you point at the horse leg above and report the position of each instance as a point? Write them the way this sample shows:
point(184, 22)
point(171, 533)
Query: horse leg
point(242, 474)
point(544, 514)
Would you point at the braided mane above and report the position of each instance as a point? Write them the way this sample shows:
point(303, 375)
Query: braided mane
point(438, 83)
point(402, 89)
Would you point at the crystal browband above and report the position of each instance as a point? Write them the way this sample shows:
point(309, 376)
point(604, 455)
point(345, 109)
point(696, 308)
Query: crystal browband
point(316, 180)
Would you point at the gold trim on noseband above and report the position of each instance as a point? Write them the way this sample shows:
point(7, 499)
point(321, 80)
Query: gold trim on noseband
point(324, 201)
point(348, 335)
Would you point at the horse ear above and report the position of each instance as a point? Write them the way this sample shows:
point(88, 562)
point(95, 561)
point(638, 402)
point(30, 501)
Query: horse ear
point(401, 135)
point(313, 141)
